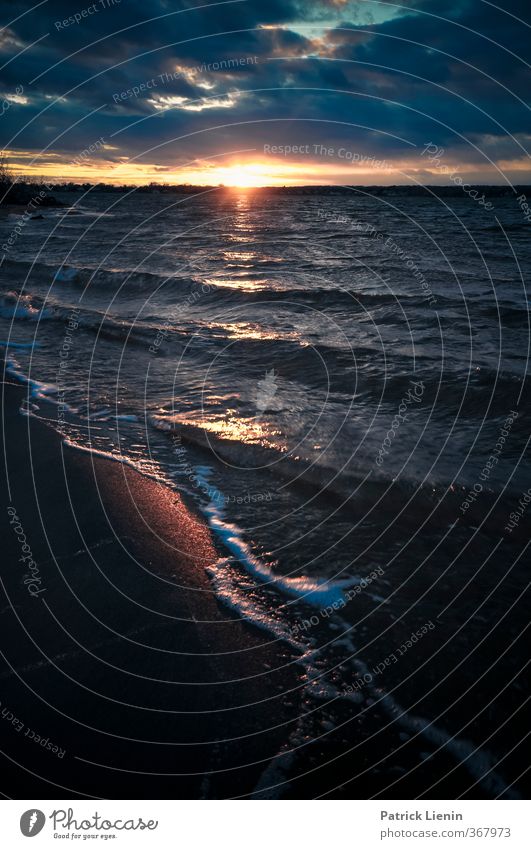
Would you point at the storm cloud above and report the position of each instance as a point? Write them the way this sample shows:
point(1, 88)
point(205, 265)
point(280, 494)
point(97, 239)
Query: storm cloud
point(167, 84)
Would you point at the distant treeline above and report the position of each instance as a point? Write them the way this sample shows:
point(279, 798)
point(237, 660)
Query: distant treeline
point(21, 191)
point(29, 193)
point(383, 191)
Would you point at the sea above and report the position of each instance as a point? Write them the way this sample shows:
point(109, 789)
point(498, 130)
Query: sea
point(337, 384)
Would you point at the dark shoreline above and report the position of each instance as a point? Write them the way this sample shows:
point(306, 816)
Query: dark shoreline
point(400, 190)
point(91, 523)
point(122, 676)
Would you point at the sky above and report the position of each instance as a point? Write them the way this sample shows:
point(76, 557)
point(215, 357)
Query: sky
point(266, 92)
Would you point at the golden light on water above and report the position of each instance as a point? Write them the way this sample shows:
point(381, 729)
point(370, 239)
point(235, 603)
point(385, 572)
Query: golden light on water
point(235, 282)
point(245, 330)
point(233, 427)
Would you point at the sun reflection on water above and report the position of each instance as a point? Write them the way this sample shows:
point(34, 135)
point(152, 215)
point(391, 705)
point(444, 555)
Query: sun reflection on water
point(250, 330)
point(231, 426)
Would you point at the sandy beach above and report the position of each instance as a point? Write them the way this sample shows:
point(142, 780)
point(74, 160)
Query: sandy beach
point(123, 676)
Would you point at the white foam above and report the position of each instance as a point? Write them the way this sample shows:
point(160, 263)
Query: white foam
point(315, 592)
point(479, 762)
point(37, 389)
point(65, 275)
point(241, 596)
point(118, 458)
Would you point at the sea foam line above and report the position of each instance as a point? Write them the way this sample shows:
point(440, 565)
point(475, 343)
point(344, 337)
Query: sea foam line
point(476, 761)
point(316, 592)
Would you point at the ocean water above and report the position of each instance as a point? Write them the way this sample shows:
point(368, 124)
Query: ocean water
point(325, 378)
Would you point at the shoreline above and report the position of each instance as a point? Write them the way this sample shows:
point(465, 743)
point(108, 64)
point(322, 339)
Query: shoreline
point(124, 676)
point(123, 634)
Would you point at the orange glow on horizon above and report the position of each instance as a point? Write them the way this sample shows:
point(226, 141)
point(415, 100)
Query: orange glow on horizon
point(247, 174)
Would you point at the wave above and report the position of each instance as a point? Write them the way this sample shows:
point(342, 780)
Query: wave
point(36, 389)
point(359, 488)
point(317, 593)
point(260, 287)
point(17, 306)
point(24, 271)
point(249, 287)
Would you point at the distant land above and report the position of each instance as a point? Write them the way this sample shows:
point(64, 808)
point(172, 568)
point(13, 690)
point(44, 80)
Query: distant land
point(17, 194)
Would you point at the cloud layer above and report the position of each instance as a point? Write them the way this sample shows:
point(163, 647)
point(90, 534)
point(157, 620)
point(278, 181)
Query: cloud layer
point(179, 89)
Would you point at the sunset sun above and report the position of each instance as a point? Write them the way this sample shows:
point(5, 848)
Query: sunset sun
point(247, 175)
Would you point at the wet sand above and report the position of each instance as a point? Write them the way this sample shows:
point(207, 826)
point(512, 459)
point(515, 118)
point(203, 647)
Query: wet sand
point(122, 676)
point(117, 652)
